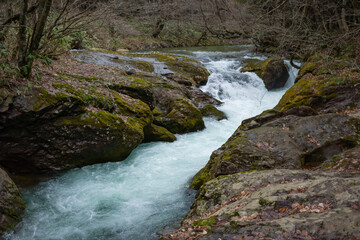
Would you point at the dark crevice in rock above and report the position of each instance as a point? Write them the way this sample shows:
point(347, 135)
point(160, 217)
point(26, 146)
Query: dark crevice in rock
point(316, 157)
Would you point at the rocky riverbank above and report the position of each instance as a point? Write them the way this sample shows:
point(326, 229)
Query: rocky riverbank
point(291, 172)
point(79, 114)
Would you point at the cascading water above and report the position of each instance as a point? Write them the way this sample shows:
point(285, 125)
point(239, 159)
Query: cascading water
point(135, 198)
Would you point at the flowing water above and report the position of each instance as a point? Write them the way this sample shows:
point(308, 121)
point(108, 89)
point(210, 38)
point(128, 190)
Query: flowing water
point(135, 198)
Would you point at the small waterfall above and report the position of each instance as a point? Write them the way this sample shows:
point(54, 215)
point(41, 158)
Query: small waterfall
point(135, 198)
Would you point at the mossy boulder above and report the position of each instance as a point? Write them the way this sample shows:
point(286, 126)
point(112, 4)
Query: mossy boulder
point(181, 69)
point(183, 117)
point(286, 142)
point(190, 70)
point(183, 80)
point(272, 71)
point(325, 84)
point(173, 77)
point(154, 133)
point(275, 204)
point(209, 110)
point(12, 206)
point(252, 65)
point(54, 131)
point(139, 87)
point(164, 96)
point(194, 70)
point(205, 103)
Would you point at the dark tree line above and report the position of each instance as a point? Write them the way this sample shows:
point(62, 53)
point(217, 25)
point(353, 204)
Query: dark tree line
point(273, 25)
point(42, 26)
point(286, 25)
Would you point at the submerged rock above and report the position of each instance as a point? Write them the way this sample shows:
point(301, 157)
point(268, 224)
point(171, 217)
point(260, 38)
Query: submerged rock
point(12, 207)
point(275, 204)
point(272, 71)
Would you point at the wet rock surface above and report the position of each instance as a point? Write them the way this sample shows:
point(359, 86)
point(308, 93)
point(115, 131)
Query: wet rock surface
point(272, 71)
point(12, 206)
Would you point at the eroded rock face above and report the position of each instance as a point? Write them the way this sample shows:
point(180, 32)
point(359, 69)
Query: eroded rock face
point(347, 161)
point(44, 131)
point(12, 206)
point(287, 142)
point(272, 71)
point(275, 204)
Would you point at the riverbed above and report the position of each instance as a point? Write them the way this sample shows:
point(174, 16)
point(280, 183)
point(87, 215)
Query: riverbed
point(135, 198)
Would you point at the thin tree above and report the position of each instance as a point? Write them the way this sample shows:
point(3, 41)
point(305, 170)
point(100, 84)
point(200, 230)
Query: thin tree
point(25, 59)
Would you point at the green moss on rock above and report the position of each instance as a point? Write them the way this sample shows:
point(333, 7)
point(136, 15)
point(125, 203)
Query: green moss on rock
point(211, 221)
point(89, 95)
point(210, 110)
point(155, 133)
point(252, 65)
point(184, 117)
point(96, 119)
point(185, 66)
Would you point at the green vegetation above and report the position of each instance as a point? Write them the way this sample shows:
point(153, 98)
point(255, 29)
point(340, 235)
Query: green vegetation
point(211, 221)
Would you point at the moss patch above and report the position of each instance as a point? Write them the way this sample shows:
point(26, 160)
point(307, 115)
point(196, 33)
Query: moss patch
point(211, 221)
point(98, 119)
point(211, 111)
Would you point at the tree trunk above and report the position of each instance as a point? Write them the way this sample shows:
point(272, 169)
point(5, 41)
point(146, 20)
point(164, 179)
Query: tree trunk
point(343, 16)
point(339, 21)
point(44, 10)
point(22, 48)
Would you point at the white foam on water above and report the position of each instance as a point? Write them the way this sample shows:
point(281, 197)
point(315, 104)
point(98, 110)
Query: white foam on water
point(135, 198)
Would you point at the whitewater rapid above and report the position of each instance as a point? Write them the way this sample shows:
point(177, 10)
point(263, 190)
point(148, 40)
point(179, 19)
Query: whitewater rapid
point(135, 198)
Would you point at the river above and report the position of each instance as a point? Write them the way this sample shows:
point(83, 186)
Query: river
point(135, 198)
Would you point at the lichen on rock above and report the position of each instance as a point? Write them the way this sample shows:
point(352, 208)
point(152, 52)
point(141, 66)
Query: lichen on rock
point(274, 204)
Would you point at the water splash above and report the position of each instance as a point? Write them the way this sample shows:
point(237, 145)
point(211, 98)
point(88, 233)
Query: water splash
point(135, 198)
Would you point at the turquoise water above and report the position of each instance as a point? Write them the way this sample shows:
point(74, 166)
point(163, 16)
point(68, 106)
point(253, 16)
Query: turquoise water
point(135, 198)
